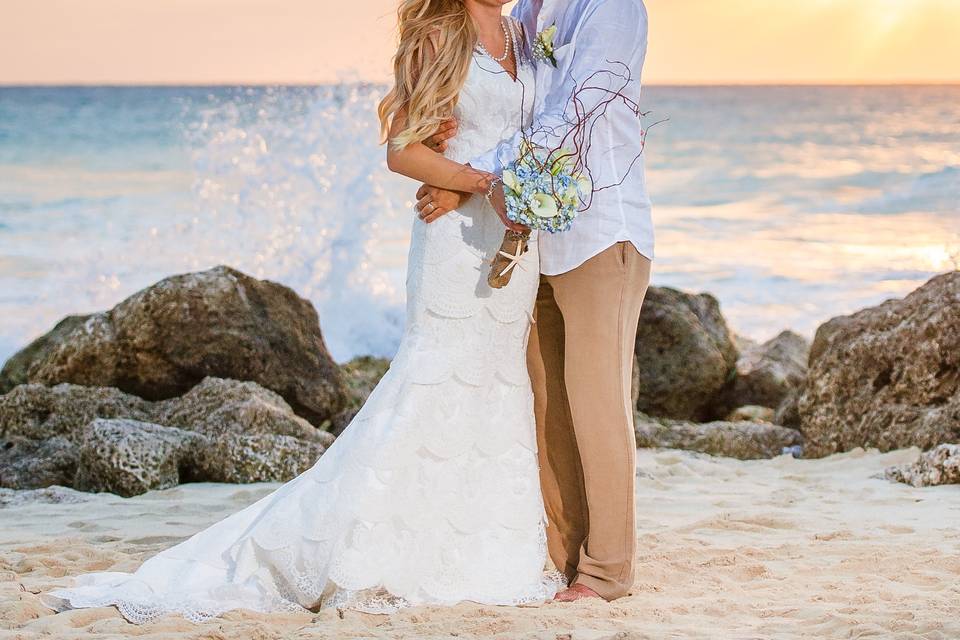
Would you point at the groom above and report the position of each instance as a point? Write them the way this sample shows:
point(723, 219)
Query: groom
point(593, 280)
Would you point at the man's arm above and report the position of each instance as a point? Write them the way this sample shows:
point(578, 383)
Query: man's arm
point(611, 37)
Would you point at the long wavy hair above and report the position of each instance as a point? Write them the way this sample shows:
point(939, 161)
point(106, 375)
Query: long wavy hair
point(437, 38)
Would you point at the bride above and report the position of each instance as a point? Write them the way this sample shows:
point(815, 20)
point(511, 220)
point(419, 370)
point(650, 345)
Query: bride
point(432, 494)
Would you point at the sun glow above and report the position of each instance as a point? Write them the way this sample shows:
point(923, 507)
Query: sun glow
point(694, 41)
point(808, 41)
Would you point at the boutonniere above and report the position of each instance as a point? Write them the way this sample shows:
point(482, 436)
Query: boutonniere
point(543, 45)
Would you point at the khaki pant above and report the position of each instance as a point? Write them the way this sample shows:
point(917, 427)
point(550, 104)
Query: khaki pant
point(580, 358)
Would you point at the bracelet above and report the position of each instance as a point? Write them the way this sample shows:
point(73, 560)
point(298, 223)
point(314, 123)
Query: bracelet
point(493, 185)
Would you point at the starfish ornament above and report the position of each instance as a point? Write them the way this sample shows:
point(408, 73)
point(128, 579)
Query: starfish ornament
point(514, 259)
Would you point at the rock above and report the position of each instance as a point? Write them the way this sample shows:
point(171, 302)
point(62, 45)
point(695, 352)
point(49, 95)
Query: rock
point(686, 355)
point(360, 375)
point(788, 413)
point(940, 465)
point(34, 464)
point(38, 412)
point(767, 373)
point(47, 495)
point(252, 458)
point(887, 377)
point(751, 413)
point(217, 406)
point(14, 371)
point(128, 457)
point(105, 440)
point(742, 440)
point(165, 339)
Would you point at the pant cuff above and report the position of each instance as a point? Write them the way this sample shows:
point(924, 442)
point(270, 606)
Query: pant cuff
point(605, 589)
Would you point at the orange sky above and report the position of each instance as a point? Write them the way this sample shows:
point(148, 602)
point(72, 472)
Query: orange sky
point(280, 41)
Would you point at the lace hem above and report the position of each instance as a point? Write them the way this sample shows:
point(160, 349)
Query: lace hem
point(375, 600)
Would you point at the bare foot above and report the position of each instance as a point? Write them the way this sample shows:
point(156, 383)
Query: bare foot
point(576, 592)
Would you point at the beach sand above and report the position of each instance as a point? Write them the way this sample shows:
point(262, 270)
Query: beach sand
point(769, 549)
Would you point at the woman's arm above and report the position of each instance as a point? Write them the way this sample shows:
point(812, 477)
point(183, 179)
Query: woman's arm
point(421, 163)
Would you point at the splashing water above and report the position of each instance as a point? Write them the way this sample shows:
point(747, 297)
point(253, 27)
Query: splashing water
point(294, 187)
point(790, 204)
point(287, 184)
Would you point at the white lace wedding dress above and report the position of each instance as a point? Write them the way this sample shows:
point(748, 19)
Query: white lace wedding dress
point(432, 494)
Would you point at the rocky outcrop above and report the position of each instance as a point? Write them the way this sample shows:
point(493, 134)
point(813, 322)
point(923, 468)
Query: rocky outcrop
point(41, 427)
point(742, 440)
point(251, 458)
point(940, 465)
point(165, 339)
point(39, 412)
point(768, 372)
point(34, 464)
point(15, 370)
point(216, 407)
point(360, 376)
point(887, 377)
point(128, 457)
point(686, 355)
point(47, 495)
point(102, 439)
point(788, 413)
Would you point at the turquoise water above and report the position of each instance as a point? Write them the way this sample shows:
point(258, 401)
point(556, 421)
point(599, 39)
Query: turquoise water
point(790, 204)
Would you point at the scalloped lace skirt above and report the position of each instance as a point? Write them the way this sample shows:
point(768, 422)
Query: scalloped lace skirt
point(430, 496)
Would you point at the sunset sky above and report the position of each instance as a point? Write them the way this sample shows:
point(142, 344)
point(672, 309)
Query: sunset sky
point(308, 41)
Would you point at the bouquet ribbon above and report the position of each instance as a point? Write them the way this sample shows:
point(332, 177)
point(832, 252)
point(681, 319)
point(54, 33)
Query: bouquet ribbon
point(507, 259)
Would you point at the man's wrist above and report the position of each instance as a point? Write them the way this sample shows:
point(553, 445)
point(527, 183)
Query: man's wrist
point(484, 180)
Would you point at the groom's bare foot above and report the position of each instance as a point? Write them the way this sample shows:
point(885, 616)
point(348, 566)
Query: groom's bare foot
point(576, 592)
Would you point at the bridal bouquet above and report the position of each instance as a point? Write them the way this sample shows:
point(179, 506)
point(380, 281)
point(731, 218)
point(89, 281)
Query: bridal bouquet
point(543, 191)
point(549, 184)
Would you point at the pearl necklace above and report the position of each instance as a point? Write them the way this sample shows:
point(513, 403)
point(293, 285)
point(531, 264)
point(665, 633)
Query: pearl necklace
point(506, 46)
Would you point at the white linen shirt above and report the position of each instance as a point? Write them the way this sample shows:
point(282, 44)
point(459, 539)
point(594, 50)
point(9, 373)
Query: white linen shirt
point(591, 36)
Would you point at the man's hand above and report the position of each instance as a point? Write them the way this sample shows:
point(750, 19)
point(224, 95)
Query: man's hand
point(500, 206)
point(438, 141)
point(433, 202)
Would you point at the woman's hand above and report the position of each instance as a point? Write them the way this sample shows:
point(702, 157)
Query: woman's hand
point(499, 204)
point(434, 203)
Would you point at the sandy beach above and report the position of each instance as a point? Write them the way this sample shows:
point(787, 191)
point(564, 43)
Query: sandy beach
point(213, 275)
point(778, 548)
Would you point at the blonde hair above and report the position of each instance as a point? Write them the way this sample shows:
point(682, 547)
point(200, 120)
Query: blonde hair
point(437, 38)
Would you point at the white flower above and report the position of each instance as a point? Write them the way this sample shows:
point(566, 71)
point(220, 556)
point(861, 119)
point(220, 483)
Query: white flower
point(543, 47)
point(546, 37)
point(511, 181)
point(585, 185)
point(544, 206)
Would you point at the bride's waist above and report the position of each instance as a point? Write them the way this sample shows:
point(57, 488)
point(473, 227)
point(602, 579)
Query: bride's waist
point(463, 149)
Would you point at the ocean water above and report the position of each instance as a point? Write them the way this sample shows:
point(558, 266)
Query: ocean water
point(790, 204)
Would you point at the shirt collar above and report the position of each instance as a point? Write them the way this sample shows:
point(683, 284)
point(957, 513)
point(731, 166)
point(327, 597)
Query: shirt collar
point(541, 12)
